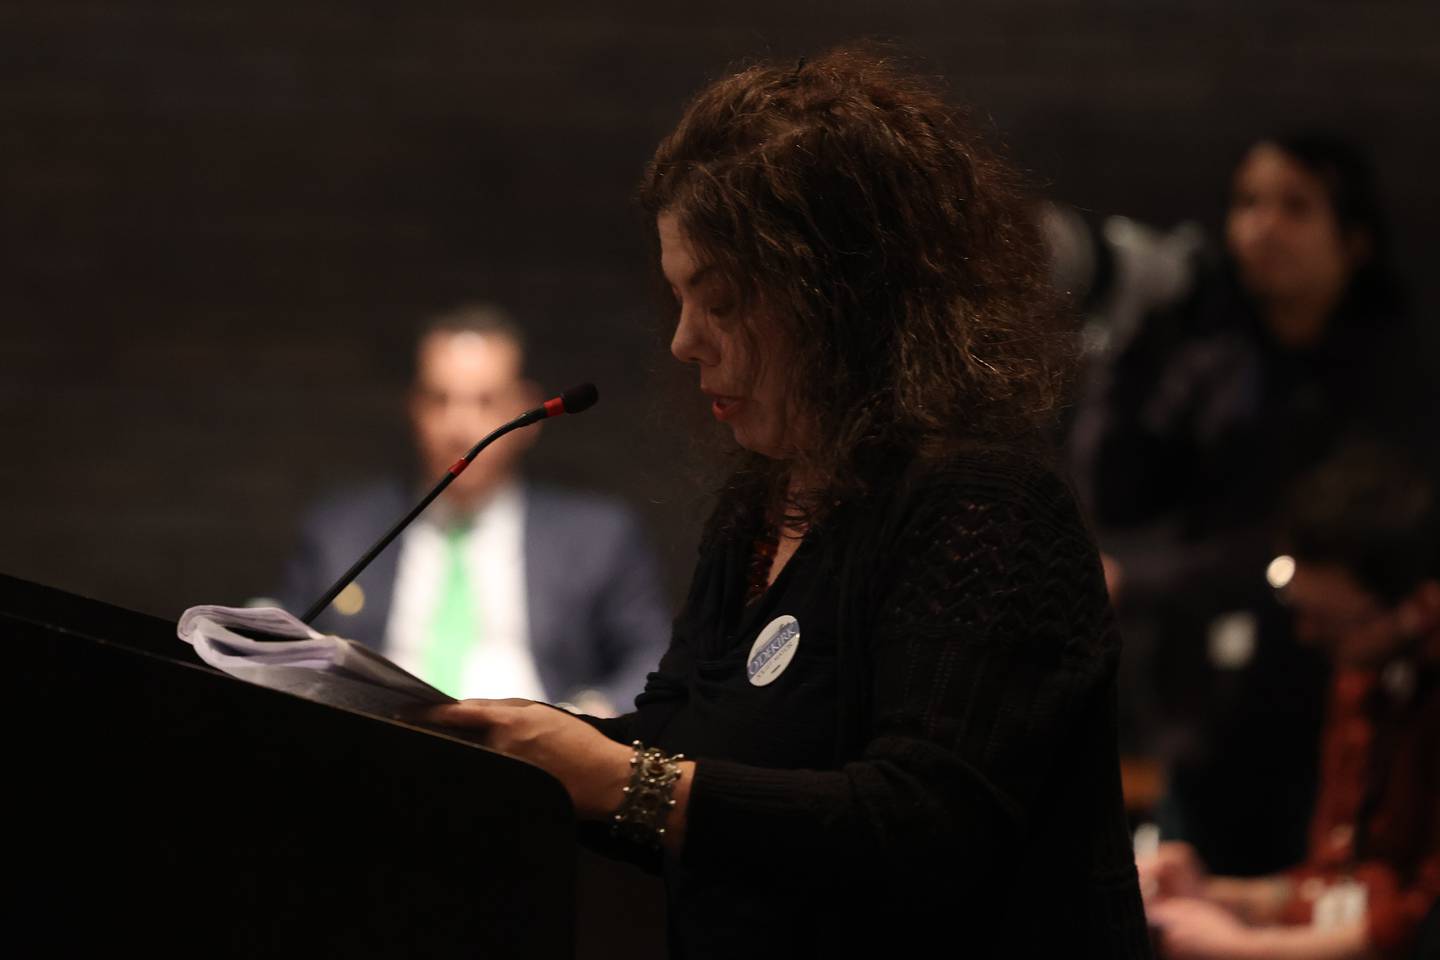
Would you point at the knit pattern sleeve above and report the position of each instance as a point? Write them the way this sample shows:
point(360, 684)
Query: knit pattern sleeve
point(990, 636)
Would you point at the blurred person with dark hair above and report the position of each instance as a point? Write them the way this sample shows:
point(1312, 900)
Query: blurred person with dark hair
point(1297, 336)
point(885, 722)
point(501, 586)
point(1362, 581)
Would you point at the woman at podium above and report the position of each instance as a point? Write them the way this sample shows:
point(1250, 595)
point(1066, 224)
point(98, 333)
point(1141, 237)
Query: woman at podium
point(885, 720)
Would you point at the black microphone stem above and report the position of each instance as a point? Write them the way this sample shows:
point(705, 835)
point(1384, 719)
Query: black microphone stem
point(524, 420)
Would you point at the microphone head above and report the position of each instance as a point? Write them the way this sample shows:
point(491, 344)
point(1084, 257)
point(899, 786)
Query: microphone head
point(581, 398)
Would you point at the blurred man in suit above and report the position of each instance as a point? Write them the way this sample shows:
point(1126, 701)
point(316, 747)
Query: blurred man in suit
point(502, 588)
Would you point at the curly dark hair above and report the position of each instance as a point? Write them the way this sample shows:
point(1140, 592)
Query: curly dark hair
point(863, 214)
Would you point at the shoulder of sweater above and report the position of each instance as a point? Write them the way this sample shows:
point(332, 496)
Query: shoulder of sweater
point(1026, 481)
point(1017, 502)
point(995, 542)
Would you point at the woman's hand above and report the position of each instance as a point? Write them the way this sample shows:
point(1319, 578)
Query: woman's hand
point(1114, 576)
point(1173, 870)
point(591, 767)
point(1199, 930)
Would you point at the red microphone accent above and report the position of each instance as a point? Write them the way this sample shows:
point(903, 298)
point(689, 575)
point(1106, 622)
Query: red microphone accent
point(555, 407)
point(459, 465)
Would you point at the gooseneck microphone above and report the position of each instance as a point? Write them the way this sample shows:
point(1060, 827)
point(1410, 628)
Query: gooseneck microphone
point(575, 400)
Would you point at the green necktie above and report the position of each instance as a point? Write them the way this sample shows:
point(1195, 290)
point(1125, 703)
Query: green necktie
point(454, 627)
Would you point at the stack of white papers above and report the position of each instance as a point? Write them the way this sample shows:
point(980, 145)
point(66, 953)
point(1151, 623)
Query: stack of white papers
point(277, 650)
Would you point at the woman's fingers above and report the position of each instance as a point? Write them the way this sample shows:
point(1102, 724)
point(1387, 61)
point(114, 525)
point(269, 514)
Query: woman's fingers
point(467, 713)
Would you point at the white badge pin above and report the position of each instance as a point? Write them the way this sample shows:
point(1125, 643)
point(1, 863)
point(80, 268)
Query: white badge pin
point(773, 650)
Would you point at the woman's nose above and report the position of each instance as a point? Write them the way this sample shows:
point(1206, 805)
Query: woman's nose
point(690, 344)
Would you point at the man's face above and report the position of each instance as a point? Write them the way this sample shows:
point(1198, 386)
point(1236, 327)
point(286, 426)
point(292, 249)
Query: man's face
point(467, 384)
point(1332, 609)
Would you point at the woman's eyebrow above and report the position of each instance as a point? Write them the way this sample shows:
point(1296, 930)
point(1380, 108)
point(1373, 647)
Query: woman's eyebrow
point(700, 276)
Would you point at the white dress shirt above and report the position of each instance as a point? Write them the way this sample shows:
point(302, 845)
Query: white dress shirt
point(498, 663)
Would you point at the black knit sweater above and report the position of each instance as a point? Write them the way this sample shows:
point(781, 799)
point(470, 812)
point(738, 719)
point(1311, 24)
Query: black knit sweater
point(972, 791)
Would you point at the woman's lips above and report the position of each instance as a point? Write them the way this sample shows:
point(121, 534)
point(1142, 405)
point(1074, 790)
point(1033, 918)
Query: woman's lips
point(724, 408)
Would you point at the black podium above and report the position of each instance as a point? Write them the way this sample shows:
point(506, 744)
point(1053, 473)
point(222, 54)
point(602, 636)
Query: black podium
point(162, 808)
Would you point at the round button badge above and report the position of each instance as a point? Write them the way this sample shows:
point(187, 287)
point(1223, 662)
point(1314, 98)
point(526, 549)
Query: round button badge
point(773, 650)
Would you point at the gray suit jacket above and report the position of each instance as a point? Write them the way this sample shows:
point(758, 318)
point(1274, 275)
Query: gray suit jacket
point(599, 619)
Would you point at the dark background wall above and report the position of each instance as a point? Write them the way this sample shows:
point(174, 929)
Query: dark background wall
point(222, 220)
